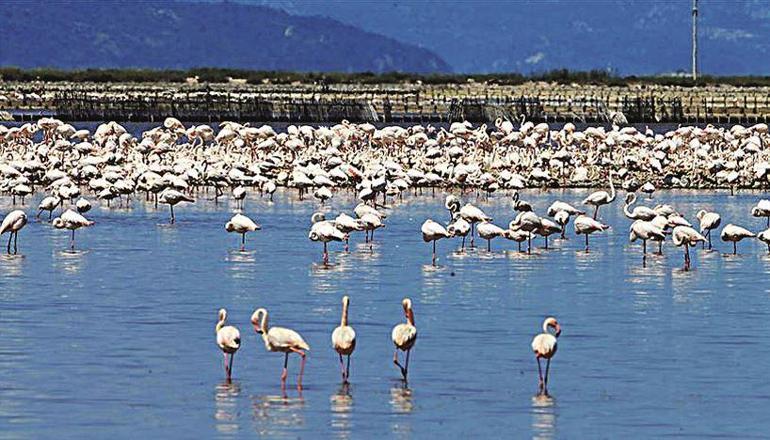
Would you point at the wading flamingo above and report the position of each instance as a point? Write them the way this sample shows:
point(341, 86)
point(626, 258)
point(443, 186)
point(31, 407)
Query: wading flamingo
point(544, 345)
point(281, 340)
point(228, 340)
point(404, 336)
point(344, 339)
point(13, 223)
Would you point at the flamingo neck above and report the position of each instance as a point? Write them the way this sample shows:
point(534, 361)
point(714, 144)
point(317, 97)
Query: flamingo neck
point(344, 320)
point(410, 316)
point(612, 189)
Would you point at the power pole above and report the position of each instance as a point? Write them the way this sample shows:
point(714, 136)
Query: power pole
point(694, 40)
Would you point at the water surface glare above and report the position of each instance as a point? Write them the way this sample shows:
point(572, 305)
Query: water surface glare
point(118, 338)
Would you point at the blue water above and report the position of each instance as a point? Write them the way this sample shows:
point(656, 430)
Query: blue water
point(118, 339)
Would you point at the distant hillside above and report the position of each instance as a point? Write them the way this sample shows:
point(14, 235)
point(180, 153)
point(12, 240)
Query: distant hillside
point(626, 36)
point(177, 35)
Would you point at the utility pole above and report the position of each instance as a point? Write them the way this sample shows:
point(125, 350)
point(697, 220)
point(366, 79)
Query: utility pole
point(694, 40)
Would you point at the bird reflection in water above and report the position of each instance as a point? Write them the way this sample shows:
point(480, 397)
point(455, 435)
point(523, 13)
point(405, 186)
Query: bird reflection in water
point(70, 261)
point(402, 403)
point(226, 407)
point(341, 405)
point(278, 415)
point(543, 417)
point(11, 265)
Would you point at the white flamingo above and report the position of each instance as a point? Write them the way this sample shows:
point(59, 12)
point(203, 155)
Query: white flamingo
point(12, 224)
point(228, 340)
point(586, 226)
point(433, 231)
point(279, 339)
point(708, 222)
point(241, 224)
point(73, 221)
point(544, 346)
point(599, 198)
point(404, 336)
point(735, 234)
point(344, 339)
point(686, 236)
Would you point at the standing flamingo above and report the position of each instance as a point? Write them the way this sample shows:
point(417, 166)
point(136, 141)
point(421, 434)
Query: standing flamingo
point(587, 225)
point(544, 345)
point(71, 220)
point(281, 339)
point(432, 231)
point(228, 340)
point(735, 234)
point(473, 215)
point(344, 339)
point(708, 221)
point(241, 225)
point(599, 198)
point(13, 223)
point(686, 236)
point(404, 336)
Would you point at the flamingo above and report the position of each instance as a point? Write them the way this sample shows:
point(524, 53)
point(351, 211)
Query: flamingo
point(526, 221)
point(645, 230)
point(432, 231)
point(599, 198)
point(686, 236)
point(473, 215)
point(639, 212)
point(648, 188)
point(348, 224)
point(325, 231)
point(83, 205)
point(404, 336)
point(520, 205)
point(228, 340)
point(562, 219)
point(241, 224)
point(459, 227)
point(517, 235)
point(547, 227)
point(708, 221)
point(279, 339)
point(173, 197)
point(71, 220)
point(452, 204)
point(344, 339)
point(13, 223)
point(544, 346)
point(49, 204)
point(735, 234)
point(587, 225)
point(764, 237)
point(488, 231)
point(762, 209)
point(563, 206)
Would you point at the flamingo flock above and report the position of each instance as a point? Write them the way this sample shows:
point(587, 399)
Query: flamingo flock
point(174, 164)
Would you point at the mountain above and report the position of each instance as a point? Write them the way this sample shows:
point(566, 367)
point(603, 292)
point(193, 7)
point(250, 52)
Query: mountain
point(625, 36)
point(175, 35)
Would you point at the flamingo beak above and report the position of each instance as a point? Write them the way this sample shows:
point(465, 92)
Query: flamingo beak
point(557, 327)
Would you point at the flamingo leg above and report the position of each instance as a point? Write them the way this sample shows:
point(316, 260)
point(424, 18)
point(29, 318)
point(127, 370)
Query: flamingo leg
point(347, 370)
point(472, 240)
point(8, 248)
point(546, 241)
point(230, 367)
point(243, 242)
point(285, 372)
point(326, 255)
point(398, 364)
point(596, 211)
point(586, 242)
point(72, 241)
point(434, 252)
point(301, 366)
point(462, 247)
point(735, 247)
point(489, 245)
point(16, 242)
point(172, 214)
point(342, 370)
point(347, 247)
point(529, 243)
point(406, 367)
point(539, 375)
point(545, 381)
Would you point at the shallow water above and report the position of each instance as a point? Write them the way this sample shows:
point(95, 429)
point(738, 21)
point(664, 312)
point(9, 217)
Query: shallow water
point(118, 338)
